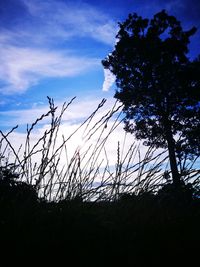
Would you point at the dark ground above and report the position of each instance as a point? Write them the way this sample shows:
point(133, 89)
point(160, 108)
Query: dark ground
point(142, 230)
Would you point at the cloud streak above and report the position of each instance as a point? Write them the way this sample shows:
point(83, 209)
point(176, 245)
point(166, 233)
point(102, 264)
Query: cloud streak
point(68, 20)
point(22, 68)
point(72, 119)
point(31, 50)
point(109, 80)
point(79, 110)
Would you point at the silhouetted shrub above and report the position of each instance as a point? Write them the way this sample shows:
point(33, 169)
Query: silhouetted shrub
point(12, 190)
point(176, 194)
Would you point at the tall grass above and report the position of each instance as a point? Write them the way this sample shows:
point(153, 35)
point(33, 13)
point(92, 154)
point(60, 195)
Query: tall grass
point(86, 173)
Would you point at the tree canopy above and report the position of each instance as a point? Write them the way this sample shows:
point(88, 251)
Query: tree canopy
point(158, 84)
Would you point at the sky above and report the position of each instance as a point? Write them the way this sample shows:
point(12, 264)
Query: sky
point(54, 48)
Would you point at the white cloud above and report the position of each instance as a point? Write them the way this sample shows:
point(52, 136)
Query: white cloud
point(79, 110)
point(116, 150)
point(74, 116)
point(29, 52)
point(109, 80)
point(77, 141)
point(22, 67)
point(66, 20)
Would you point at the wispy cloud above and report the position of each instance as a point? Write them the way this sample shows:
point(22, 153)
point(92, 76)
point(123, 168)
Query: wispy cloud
point(79, 110)
point(30, 51)
point(70, 19)
point(22, 68)
point(72, 119)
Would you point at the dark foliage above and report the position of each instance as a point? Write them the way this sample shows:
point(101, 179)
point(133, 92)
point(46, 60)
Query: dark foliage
point(158, 84)
point(14, 191)
point(135, 230)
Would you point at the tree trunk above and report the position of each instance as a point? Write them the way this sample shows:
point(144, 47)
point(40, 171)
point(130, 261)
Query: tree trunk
point(171, 150)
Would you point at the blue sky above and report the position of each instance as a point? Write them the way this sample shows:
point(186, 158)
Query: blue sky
point(55, 48)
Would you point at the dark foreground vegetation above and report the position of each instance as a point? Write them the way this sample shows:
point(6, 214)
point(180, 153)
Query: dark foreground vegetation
point(133, 230)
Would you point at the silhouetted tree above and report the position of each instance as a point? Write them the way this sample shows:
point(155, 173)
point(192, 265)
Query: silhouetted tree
point(158, 84)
